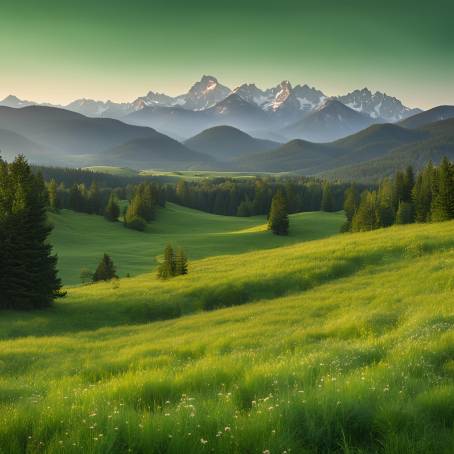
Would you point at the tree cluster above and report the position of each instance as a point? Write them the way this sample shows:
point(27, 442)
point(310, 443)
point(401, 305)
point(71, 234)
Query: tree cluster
point(142, 206)
point(28, 270)
point(105, 271)
point(175, 263)
point(404, 199)
point(253, 196)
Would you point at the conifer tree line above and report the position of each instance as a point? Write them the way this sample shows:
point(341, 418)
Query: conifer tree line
point(253, 196)
point(403, 199)
point(144, 199)
point(175, 263)
point(28, 269)
point(70, 176)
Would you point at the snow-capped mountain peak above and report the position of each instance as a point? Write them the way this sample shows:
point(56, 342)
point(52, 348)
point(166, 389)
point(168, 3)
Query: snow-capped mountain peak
point(252, 94)
point(14, 101)
point(204, 94)
point(282, 92)
point(377, 105)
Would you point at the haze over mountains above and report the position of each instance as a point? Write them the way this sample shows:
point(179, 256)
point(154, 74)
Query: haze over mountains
point(267, 113)
point(361, 135)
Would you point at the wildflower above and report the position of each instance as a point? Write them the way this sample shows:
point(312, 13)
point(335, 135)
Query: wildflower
point(203, 441)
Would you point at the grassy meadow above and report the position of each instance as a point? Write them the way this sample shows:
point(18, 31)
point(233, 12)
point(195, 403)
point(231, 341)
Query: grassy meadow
point(269, 345)
point(173, 176)
point(81, 239)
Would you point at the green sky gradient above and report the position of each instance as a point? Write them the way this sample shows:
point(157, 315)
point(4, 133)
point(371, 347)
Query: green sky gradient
point(61, 50)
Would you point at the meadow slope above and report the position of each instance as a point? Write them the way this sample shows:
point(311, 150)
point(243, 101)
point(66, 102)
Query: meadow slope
point(344, 344)
point(81, 239)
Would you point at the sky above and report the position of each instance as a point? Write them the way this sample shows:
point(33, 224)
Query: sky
point(61, 50)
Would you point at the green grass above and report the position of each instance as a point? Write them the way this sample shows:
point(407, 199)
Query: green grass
point(192, 175)
point(111, 170)
point(342, 344)
point(81, 239)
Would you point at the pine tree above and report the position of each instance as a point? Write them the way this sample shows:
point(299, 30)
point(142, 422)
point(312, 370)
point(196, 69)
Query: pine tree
point(245, 208)
point(385, 210)
point(278, 221)
point(28, 269)
point(350, 205)
point(181, 262)
point(167, 267)
point(443, 192)
point(53, 196)
point(94, 199)
point(76, 199)
point(112, 211)
point(422, 194)
point(327, 203)
point(404, 213)
point(365, 217)
point(182, 193)
point(408, 183)
point(105, 270)
point(398, 189)
point(261, 202)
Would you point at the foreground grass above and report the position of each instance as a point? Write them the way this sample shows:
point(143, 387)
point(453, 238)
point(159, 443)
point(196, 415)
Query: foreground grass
point(340, 345)
point(81, 239)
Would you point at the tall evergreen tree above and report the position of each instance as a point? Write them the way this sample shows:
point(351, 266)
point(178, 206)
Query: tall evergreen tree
point(443, 192)
point(385, 210)
point(365, 217)
point(422, 194)
point(105, 270)
point(112, 211)
point(408, 183)
point(398, 189)
point(94, 199)
point(350, 205)
point(278, 221)
point(181, 262)
point(53, 196)
point(28, 269)
point(246, 208)
point(405, 213)
point(167, 267)
point(76, 199)
point(327, 203)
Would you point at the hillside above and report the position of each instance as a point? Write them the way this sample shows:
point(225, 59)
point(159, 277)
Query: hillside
point(437, 141)
point(75, 139)
point(81, 239)
point(429, 116)
point(336, 344)
point(226, 143)
point(331, 121)
point(296, 155)
point(176, 122)
point(12, 144)
point(369, 154)
point(160, 152)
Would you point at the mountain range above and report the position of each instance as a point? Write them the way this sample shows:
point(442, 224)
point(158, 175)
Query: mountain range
point(361, 135)
point(278, 112)
point(52, 136)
